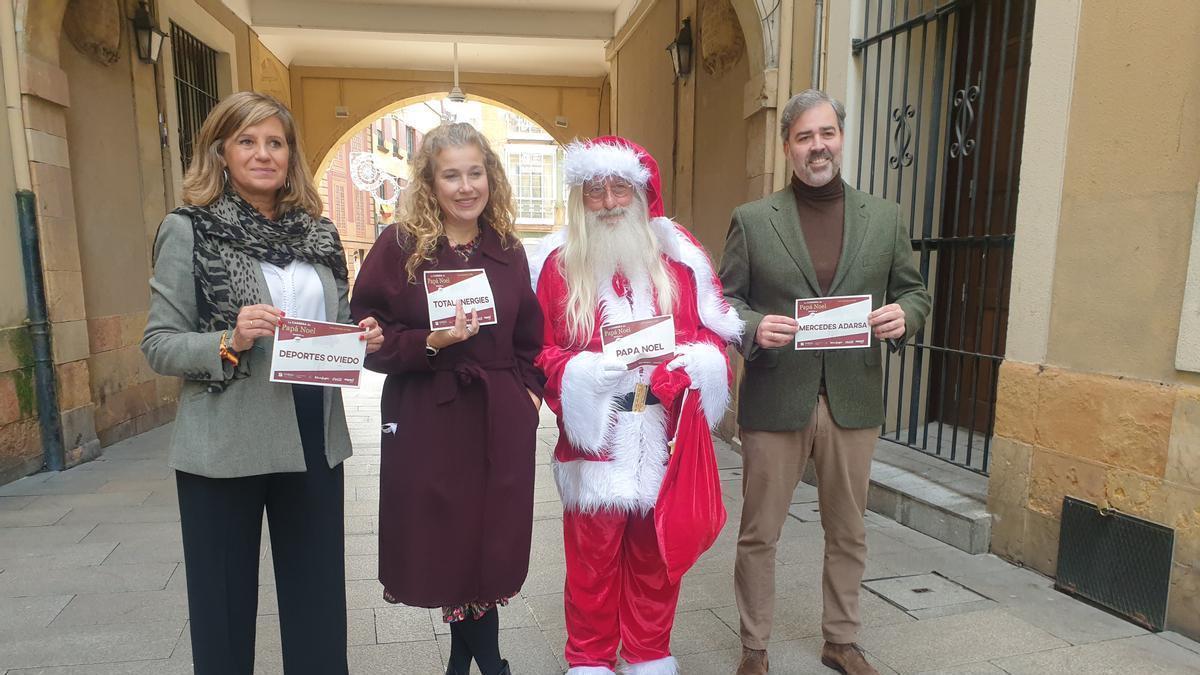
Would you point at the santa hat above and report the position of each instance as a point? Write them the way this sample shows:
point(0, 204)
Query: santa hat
point(613, 156)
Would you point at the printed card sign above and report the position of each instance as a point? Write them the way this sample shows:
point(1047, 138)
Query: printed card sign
point(317, 352)
point(644, 342)
point(833, 323)
point(470, 287)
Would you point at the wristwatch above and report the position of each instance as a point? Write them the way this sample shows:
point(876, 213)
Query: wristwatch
point(430, 350)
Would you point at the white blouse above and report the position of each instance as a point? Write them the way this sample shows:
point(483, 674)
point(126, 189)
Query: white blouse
point(296, 289)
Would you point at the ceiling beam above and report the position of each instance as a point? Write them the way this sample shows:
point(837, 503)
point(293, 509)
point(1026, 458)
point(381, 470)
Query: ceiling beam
point(428, 19)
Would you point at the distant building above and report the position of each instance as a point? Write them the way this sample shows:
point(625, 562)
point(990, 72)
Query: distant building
point(359, 217)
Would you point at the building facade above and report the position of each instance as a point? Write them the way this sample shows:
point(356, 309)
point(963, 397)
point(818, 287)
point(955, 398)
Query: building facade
point(1046, 155)
point(360, 215)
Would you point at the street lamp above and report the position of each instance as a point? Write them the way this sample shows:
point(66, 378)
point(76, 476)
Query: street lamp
point(147, 36)
point(681, 50)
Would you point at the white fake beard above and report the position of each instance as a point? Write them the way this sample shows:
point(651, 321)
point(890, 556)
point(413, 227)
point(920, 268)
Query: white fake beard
point(622, 245)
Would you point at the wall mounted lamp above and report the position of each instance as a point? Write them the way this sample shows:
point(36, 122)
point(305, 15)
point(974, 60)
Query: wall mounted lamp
point(681, 50)
point(146, 35)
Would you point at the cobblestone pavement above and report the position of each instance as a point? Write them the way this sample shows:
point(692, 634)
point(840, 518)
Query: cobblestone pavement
point(91, 582)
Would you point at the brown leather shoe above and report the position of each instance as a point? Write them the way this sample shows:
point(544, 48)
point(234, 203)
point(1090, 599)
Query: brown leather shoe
point(847, 659)
point(754, 662)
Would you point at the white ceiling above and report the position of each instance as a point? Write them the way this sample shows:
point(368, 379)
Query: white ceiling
point(528, 37)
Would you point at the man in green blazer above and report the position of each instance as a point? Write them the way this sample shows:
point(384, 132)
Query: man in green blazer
point(816, 238)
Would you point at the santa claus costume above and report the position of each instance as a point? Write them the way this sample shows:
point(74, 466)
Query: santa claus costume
point(611, 458)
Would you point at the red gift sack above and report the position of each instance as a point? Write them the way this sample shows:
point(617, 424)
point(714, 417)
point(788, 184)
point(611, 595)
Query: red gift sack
point(689, 513)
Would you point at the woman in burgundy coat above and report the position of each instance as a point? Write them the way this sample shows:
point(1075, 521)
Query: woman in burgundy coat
point(460, 405)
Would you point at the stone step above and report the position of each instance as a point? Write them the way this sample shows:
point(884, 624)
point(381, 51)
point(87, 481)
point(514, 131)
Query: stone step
point(921, 492)
point(926, 494)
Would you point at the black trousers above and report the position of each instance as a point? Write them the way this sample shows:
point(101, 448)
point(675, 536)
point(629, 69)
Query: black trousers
point(221, 519)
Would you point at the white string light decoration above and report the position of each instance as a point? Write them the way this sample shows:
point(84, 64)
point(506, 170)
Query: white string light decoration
point(365, 172)
point(368, 175)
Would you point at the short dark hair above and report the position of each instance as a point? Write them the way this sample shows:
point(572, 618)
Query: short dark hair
point(805, 101)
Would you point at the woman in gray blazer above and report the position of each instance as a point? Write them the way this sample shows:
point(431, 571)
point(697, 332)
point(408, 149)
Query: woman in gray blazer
point(250, 247)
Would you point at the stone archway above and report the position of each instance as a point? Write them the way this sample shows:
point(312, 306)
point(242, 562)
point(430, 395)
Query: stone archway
point(752, 30)
point(318, 93)
point(357, 125)
point(762, 98)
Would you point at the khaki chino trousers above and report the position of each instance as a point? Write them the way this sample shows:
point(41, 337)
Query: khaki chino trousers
point(772, 465)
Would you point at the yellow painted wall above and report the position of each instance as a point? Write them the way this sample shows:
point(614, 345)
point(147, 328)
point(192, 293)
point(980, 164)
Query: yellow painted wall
point(267, 73)
point(316, 92)
point(102, 142)
point(118, 191)
point(1089, 403)
point(20, 449)
point(12, 301)
point(645, 91)
point(244, 37)
point(1129, 191)
point(720, 178)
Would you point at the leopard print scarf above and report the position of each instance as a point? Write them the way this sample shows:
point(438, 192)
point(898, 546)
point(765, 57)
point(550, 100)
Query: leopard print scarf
point(231, 237)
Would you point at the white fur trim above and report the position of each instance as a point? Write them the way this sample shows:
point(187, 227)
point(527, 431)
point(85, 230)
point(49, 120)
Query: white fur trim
point(587, 404)
point(588, 407)
point(709, 370)
point(590, 670)
point(588, 161)
point(715, 313)
point(630, 478)
point(664, 666)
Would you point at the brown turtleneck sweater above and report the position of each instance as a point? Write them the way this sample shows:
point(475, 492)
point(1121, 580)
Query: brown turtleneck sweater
point(822, 219)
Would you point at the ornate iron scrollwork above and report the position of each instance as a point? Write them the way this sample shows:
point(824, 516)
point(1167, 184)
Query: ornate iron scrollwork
point(963, 118)
point(903, 136)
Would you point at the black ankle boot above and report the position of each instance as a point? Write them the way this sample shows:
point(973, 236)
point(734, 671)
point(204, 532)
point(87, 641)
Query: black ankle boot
point(505, 670)
point(451, 671)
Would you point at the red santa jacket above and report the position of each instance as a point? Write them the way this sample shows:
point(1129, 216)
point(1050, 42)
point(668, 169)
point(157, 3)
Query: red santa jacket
point(610, 459)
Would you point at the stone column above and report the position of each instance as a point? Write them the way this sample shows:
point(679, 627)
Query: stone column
point(44, 98)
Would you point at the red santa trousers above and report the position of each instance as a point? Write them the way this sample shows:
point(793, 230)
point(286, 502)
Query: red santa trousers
point(616, 590)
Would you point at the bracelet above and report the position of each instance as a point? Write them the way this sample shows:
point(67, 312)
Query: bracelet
point(226, 353)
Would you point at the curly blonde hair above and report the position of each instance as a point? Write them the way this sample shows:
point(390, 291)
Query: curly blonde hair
point(421, 218)
point(205, 177)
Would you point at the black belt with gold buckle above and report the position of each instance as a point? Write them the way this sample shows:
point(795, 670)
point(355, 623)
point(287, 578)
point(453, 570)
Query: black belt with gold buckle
point(625, 403)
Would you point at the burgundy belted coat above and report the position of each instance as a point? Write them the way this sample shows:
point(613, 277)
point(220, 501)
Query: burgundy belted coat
point(456, 475)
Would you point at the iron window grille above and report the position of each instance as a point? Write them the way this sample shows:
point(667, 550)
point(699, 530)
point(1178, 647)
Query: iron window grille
point(196, 88)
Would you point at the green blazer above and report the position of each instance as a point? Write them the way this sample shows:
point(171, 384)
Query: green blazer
point(766, 268)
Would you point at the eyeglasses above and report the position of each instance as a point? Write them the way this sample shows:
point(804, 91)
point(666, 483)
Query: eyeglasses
point(595, 190)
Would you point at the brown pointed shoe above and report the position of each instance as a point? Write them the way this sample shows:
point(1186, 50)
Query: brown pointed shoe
point(847, 659)
point(754, 662)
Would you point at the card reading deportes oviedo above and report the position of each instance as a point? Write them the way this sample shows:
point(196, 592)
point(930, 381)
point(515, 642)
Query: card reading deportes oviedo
point(317, 352)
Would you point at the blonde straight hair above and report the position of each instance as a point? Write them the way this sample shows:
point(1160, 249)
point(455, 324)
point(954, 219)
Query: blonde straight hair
point(421, 218)
point(582, 282)
point(205, 179)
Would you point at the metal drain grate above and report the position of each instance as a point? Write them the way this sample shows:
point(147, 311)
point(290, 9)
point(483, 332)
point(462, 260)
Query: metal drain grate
point(1116, 560)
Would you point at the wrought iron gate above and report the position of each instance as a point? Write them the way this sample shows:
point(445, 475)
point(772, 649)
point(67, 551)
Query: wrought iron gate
point(941, 106)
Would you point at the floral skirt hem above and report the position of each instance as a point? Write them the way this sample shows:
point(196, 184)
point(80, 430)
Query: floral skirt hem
point(455, 613)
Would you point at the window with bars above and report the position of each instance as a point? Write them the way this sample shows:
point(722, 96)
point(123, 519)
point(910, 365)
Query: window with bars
point(533, 174)
point(339, 205)
point(196, 92)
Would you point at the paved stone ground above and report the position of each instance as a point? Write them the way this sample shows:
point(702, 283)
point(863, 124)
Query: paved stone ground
point(91, 581)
